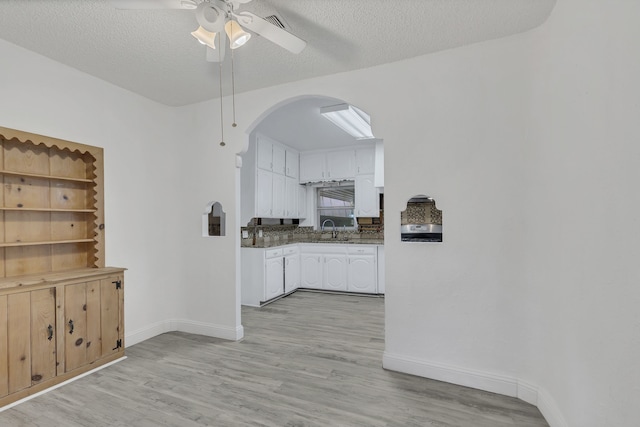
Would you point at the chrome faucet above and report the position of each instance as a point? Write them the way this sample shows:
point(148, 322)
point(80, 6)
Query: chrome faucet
point(334, 233)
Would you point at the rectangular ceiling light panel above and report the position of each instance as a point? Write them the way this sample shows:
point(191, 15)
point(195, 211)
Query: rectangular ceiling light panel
point(350, 119)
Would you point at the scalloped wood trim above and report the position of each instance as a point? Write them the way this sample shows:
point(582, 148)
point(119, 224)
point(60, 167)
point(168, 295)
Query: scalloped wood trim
point(96, 175)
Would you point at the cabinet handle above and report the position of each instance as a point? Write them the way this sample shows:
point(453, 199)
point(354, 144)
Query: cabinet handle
point(49, 332)
point(70, 326)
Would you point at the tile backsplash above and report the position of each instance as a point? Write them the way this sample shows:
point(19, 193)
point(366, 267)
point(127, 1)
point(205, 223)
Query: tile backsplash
point(421, 213)
point(284, 234)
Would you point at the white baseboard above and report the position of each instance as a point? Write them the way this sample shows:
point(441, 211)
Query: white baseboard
point(527, 392)
point(481, 380)
point(217, 331)
point(143, 334)
point(451, 374)
point(182, 325)
point(549, 409)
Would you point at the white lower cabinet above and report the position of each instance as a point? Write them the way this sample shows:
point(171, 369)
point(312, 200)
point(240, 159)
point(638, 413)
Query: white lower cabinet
point(269, 273)
point(336, 267)
point(274, 277)
point(264, 273)
point(291, 268)
point(362, 271)
point(334, 272)
point(310, 270)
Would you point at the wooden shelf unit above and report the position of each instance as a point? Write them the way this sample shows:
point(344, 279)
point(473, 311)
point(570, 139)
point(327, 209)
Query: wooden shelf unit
point(61, 309)
point(51, 205)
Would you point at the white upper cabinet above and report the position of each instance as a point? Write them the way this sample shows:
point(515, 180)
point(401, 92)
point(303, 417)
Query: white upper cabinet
point(291, 198)
point(367, 200)
point(292, 163)
point(279, 159)
point(269, 180)
point(264, 194)
point(335, 165)
point(264, 153)
point(365, 161)
point(302, 201)
point(271, 155)
point(312, 167)
point(341, 165)
point(278, 196)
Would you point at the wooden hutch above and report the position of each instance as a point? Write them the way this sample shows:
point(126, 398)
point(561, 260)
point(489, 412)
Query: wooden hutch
point(61, 309)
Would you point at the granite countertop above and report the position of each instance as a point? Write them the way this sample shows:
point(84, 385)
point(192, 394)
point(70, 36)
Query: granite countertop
point(262, 244)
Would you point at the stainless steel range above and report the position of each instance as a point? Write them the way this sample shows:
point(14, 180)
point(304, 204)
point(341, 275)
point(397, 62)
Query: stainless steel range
point(421, 233)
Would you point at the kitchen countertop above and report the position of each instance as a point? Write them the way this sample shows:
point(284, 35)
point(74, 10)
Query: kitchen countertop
point(247, 243)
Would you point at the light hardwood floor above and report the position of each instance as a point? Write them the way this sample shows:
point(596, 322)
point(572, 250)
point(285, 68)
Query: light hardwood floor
point(307, 360)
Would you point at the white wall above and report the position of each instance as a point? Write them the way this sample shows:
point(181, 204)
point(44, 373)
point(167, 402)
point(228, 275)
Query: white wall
point(583, 212)
point(453, 127)
point(141, 173)
point(519, 134)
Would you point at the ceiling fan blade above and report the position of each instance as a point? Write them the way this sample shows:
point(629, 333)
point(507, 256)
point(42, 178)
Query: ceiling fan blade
point(217, 55)
point(270, 32)
point(153, 4)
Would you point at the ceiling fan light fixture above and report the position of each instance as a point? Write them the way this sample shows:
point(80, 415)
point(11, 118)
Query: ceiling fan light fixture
point(211, 16)
point(237, 36)
point(350, 119)
point(205, 37)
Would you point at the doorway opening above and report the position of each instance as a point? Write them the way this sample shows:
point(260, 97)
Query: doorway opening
point(309, 192)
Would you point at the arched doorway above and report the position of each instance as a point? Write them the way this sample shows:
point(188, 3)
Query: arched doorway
point(294, 153)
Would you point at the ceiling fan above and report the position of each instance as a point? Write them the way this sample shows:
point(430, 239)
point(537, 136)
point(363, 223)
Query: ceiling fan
point(219, 20)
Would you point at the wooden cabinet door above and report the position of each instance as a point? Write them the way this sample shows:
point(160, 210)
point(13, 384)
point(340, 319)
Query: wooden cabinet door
point(43, 340)
point(27, 339)
point(111, 314)
point(82, 335)
point(19, 341)
point(4, 347)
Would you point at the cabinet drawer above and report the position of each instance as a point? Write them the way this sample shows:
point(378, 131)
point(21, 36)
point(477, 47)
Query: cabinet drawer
point(368, 250)
point(291, 250)
point(273, 253)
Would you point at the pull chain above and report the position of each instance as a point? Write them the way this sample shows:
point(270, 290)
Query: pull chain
point(222, 143)
point(233, 92)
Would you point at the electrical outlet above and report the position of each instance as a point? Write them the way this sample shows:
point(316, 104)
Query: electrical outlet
point(245, 234)
point(259, 233)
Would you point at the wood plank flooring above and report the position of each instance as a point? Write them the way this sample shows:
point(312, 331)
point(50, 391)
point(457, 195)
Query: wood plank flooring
point(309, 360)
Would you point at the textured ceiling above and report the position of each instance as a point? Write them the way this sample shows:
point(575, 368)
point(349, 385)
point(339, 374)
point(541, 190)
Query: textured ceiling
point(152, 53)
